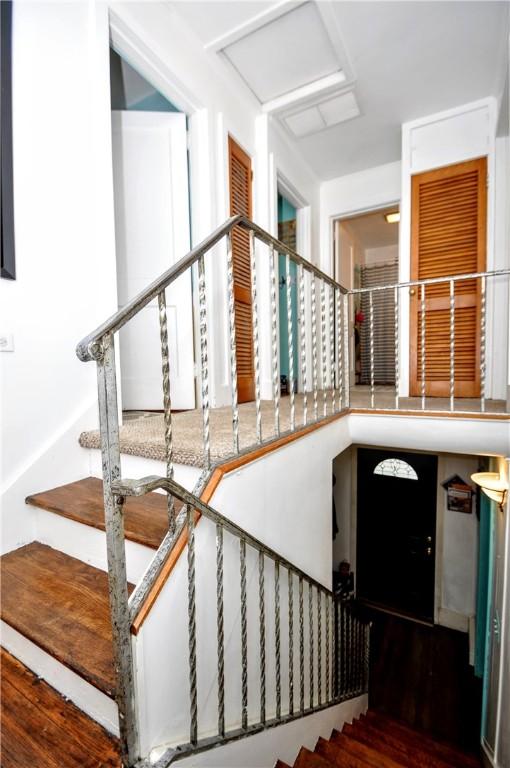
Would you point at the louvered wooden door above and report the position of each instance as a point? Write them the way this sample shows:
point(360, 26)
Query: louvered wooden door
point(448, 237)
point(240, 202)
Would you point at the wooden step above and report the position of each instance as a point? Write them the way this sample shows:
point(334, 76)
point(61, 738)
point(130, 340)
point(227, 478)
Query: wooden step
point(440, 749)
point(338, 756)
point(307, 759)
point(414, 756)
point(145, 518)
point(43, 730)
point(61, 605)
point(372, 757)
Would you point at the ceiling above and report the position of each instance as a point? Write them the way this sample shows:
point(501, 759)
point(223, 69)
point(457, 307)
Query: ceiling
point(372, 230)
point(341, 77)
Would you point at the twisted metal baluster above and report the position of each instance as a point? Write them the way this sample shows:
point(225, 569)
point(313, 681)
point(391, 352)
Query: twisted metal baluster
point(314, 349)
point(423, 358)
point(340, 362)
point(290, 343)
point(346, 352)
point(372, 361)
point(332, 377)
point(274, 344)
point(334, 641)
point(483, 332)
point(452, 345)
point(262, 639)
point(167, 405)
point(301, 648)
point(324, 349)
point(277, 638)
point(220, 633)
point(204, 363)
point(192, 626)
point(291, 642)
point(244, 637)
point(255, 317)
point(233, 347)
point(367, 657)
point(397, 346)
point(303, 340)
point(327, 647)
point(319, 647)
point(310, 624)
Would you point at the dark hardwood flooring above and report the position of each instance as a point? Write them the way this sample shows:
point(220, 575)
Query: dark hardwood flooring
point(40, 729)
point(145, 518)
point(421, 675)
point(61, 605)
point(376, 741)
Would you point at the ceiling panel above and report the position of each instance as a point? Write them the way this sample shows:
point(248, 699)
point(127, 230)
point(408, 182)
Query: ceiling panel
point(284, 54)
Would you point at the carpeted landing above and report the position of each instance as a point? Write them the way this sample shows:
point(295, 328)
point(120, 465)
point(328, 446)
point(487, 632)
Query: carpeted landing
point(142, 434)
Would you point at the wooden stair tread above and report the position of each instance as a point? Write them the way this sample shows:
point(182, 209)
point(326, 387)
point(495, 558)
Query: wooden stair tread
point(61, 605)
point(370, 755)
point(338, 757)
point(440, 749)
point(415, 756)
point(145, 518)
point(40, 728)
point(308, 759)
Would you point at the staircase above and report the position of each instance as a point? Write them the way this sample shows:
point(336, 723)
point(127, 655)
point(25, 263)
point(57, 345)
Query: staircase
point(376, 741)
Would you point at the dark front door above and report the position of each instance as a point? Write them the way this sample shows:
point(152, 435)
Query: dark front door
point(396, 531)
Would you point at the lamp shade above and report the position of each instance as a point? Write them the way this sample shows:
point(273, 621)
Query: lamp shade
point(492, 485)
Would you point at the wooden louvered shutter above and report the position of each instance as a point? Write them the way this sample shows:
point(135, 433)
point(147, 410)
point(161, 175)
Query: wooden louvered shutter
point(240, 202)
point(448, 237)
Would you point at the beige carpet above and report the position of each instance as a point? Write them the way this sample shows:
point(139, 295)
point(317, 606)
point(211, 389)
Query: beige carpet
point(143, 433)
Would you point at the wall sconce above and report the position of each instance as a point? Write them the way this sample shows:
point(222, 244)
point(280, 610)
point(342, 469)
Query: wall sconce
point(492, 485)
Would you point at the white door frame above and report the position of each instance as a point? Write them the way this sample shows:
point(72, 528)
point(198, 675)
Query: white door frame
point(130, 45)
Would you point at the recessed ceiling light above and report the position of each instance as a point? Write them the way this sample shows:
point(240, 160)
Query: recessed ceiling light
point(392, 218)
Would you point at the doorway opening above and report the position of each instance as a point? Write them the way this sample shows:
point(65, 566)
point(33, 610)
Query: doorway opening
point(152, 231)
point(366, 256)
point(287, 233)
point(410, 553)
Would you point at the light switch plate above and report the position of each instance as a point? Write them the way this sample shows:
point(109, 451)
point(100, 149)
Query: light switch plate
point(6, 342)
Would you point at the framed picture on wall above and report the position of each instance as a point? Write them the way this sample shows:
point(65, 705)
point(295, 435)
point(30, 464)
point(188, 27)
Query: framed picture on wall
point(7, 250)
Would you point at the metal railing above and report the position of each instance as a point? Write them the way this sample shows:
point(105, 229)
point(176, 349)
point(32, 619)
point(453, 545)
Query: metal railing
point(331, 664)
point(329, 376)
point(448, 362)
point(325, 328)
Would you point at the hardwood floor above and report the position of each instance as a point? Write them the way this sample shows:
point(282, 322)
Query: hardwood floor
point(421, 675)
point(42, 730)
point(145, 519)
point(61, 605)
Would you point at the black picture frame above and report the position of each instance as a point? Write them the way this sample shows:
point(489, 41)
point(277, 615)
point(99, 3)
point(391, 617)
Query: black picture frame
point(7, 245)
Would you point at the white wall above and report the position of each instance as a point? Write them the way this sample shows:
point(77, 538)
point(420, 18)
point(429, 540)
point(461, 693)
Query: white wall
point(381, 255)
point(288, 511)
point(65, 256)
point(457, 548)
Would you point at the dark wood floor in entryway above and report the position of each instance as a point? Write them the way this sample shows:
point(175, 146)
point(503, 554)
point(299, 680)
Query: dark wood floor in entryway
point(421, 675)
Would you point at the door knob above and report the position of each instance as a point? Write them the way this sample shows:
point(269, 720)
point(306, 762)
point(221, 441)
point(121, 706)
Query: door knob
point(428, 551)
point(412, 292)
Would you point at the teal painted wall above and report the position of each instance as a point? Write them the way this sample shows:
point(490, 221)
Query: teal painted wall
point(123, 100)
point(287, 212)
point(488, 511)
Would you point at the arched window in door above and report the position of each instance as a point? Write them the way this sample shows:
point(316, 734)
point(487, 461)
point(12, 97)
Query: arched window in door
point(396, 468)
